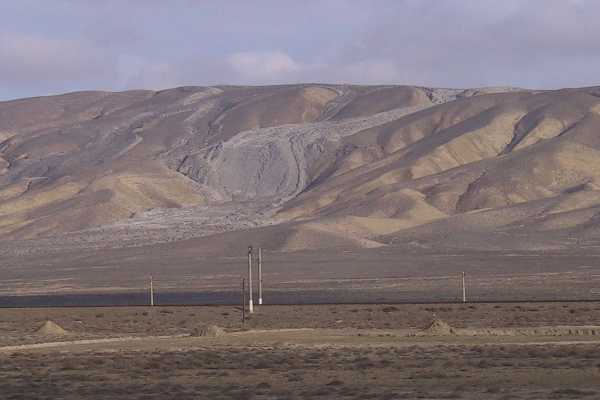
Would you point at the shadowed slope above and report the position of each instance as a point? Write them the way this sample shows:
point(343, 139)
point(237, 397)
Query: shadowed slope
point(326, 165)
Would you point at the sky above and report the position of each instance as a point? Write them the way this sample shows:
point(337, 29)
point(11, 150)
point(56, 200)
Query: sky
point(57, 46)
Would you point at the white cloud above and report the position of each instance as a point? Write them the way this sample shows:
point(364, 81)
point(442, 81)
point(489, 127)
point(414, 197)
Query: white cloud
point(532, 43)
point(369, 71)
point(459, 43)
point(262, 65)
point(136, 73)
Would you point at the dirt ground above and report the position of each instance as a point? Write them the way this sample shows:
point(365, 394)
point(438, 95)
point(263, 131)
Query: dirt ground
point(19, 325)
point(385, 275)
point(495, 351)
point(439, 371)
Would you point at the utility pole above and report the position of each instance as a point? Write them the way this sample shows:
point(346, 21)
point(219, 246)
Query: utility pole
point(260, 282)
point(250, 305)
point(464, 289)
point(151, 292)
point(243, 301)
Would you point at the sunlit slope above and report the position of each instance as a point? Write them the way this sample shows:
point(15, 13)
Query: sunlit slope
point(302, 166)
point(470, 161)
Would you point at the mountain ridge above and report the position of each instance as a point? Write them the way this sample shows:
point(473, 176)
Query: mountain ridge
point(314, 165)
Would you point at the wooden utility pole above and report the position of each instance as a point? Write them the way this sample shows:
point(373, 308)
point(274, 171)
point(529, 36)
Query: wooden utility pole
point(464, 289)
point(243, 301)
point(260, 282)
point(250, 305)
point(151, 292)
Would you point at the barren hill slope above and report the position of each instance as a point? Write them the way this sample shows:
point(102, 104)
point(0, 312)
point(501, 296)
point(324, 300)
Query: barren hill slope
point(301, 167)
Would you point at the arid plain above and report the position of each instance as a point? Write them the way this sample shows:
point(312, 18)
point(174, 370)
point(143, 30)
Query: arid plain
point(461, 351)
point(356, 194)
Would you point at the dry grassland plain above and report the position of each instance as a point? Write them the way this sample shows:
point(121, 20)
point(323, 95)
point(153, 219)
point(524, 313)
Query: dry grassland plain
point(472, 351)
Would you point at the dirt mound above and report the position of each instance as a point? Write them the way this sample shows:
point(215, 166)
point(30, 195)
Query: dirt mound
point(209, 331)
point(439, 328)
point(50, 328)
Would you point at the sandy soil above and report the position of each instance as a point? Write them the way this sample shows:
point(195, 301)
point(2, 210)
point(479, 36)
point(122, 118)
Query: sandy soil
point(304, 365)
point(18, 326)
point(492, 351)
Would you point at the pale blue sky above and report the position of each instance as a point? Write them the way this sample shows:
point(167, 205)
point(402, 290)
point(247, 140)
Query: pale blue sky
point(54, 46)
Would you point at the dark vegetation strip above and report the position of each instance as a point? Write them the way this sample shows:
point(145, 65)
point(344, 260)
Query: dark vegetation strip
point(175, 299)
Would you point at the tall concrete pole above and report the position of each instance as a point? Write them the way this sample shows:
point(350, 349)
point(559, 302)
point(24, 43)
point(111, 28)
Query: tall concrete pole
point(250, 304)
point(243, 301)
point(464, 289)
point(151, 291)
point(260, 275)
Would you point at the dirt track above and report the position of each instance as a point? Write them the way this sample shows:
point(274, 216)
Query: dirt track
point(492, 351)
point(318, 338)
point(305, 364)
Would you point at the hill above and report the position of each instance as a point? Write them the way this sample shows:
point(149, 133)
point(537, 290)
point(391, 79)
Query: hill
point(299, 167)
